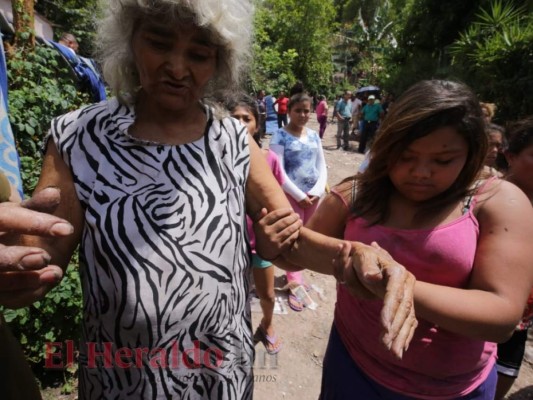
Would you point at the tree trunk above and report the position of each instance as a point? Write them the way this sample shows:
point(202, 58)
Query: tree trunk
point(23, 22)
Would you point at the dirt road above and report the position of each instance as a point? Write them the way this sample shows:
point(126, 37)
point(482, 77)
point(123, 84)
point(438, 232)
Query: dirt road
point(295, 373)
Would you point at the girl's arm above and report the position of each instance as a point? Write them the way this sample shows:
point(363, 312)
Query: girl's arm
point(501, 279)
point(320, 185)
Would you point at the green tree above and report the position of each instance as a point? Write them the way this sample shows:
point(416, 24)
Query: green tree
point(292, 42)
point(424, 30)
point(494, 55)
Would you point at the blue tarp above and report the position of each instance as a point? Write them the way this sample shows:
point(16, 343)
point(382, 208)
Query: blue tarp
point(9, 159)
point(86, 72)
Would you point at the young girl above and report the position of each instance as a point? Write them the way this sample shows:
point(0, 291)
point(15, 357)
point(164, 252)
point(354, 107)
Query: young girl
point(304, 169)
point(519, 156)
point(245, 110)
point(465, 240)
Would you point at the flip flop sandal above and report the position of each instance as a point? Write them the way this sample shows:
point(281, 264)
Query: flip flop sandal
point(272, 343)
point(295, 304)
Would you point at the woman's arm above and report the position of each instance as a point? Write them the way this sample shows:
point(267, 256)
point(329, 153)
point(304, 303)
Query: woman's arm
point(501, 278)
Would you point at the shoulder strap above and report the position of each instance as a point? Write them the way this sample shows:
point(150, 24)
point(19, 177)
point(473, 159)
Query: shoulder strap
point(352, 202)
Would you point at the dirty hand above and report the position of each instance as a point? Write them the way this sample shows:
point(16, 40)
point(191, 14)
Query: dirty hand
point(25, 273)
point(275, 232)
point(369, 272)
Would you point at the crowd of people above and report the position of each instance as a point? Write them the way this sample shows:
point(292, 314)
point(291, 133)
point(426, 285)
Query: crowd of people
point(172, 201)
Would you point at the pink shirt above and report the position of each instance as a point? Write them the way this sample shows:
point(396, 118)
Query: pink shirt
point(438, 364)
point(275, 167)
point(321, 108)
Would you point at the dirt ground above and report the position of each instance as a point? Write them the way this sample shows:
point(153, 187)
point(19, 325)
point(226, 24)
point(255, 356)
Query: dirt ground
point(295, 372)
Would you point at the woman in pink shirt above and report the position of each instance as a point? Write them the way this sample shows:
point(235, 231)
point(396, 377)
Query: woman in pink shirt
point(422, 201)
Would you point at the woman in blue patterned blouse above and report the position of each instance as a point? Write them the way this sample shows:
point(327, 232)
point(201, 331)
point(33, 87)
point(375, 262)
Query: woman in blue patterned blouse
point(304, 167)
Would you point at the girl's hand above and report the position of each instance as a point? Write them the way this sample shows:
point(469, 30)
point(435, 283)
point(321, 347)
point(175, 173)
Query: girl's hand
point(305, 203)
point(275, 232)
point(369, 272)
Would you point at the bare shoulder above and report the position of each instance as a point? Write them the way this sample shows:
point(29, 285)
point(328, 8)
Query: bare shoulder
point(345, 190)
point(503, 202)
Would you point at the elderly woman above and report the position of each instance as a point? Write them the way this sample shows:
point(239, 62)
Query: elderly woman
point(156, 185)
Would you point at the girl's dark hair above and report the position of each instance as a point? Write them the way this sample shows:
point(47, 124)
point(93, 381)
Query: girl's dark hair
point(423, 108)
point(232, 100)
point(298, 98)
point(520, 135)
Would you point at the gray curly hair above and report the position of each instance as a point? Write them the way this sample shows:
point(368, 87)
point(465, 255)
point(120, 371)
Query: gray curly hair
point(229, 23)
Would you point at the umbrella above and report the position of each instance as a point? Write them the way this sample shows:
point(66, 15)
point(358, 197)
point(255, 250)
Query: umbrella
point(368, 89)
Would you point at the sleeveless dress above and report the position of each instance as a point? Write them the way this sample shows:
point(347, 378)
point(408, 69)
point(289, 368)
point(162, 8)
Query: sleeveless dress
point(164, 258)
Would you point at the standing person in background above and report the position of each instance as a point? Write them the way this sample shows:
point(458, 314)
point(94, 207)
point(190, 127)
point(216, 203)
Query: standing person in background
point(357, 104)
point(371, 113)
point(304, 169)
point(338, 98)
point(261, 109)
point(322, 114)
point(297, 88)
point(343, 111)
point(243, 108)
point(282, 101)
point(496, 134)
point(519, 156)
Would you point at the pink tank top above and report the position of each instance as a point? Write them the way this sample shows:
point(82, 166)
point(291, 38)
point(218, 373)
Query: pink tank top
point(438, 364)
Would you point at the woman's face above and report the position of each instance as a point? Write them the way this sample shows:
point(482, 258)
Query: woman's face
point(495, 146)
point(520, 167)
point(429, 165)
point(299, 113)
point(245, 116)
point(174, 65)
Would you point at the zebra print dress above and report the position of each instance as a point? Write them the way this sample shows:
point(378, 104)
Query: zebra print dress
point(164, 258)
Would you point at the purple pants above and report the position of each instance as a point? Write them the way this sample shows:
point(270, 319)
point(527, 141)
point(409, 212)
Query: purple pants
point(342, 379)
point(323, 121)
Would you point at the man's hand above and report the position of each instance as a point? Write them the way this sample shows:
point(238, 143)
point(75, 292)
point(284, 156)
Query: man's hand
point(25, 273)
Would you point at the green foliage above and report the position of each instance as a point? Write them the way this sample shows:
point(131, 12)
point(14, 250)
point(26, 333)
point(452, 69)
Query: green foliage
point(56, 318)
point(40, 88)
point(292, 42)
point(494, 56)
point(73, 16)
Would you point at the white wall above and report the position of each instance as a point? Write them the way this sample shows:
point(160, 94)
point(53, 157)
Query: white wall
point(42, 26)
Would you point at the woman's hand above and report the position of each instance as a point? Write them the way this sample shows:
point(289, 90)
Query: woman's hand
point(25, 273)
point(275, 232)
point(369, 272)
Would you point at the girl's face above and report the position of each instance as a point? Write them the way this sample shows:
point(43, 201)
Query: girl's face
point(246, 117)
point(520, 167)
point(495, 146)
point(429, 165)
point(299, 113)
